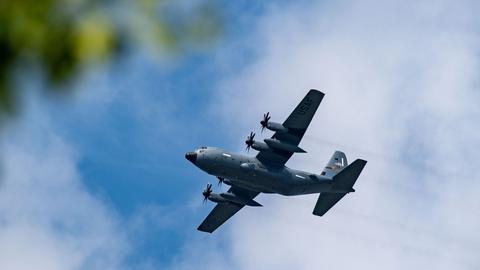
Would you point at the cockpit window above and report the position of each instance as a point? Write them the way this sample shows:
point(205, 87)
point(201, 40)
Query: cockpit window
point(203, 147)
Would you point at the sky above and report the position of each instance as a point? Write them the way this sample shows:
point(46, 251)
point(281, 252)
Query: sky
point(99, 180)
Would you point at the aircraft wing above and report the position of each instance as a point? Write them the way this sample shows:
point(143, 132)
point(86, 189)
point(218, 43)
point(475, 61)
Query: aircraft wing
point(297, 123)
point(223, 211)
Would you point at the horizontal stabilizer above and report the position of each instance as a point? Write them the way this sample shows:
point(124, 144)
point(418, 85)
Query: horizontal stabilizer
point(326, 201)
point(343, 181)
point(346, 178)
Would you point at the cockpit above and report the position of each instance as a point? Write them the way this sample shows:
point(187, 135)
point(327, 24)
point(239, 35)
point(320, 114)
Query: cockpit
point(194, 156)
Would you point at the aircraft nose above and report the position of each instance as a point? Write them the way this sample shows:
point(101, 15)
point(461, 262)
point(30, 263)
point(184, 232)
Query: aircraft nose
point(191, 156)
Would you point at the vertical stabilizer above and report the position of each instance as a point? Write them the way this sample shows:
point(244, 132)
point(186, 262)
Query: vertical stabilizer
point(337, 162)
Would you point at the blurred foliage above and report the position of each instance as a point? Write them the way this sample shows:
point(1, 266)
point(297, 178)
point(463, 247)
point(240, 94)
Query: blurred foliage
point(61, 36)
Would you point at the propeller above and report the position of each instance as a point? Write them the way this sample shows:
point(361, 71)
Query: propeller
point(206, 192)
point(220, 181)
point(264, 122)
point(249, 142)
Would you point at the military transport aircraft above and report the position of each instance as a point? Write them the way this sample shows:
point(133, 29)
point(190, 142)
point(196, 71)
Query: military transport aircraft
point(267, 173)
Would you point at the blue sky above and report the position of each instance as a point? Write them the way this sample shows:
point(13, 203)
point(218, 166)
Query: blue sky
point(107, 185)
point(133, 157)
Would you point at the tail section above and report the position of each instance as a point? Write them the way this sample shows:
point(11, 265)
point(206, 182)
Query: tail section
point(345, 179)
point(337, 162)
point(343, 184)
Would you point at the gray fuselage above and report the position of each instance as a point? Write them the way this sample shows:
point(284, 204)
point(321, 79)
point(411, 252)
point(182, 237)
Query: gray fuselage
point(249, 173)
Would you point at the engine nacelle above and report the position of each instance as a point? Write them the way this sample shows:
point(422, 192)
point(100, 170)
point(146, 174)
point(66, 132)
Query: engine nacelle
point(276, 127)
point(231, 197)
point(283, 146)
point(261, 146)
point(238, 199)
point(270, 144)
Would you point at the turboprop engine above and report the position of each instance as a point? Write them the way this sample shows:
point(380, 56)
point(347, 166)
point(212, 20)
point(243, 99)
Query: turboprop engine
point(259, 146)
point(273, 126)
point(226, 197)
point(270, 144)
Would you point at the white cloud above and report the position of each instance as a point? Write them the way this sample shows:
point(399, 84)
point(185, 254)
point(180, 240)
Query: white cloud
point(48, 220)
point(402, 87)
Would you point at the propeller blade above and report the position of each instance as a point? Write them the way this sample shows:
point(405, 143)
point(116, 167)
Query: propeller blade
point(264, 122)
point(206, 192)
point(249, 141)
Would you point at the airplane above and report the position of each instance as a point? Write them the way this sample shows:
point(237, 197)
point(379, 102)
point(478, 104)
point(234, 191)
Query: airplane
point(266, 172)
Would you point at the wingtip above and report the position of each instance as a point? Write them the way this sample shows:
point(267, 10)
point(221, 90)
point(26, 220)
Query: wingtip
point(202, 230)
point(317, 91)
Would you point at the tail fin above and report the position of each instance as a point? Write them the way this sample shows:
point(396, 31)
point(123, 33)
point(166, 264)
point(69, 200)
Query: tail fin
point(337, 162)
